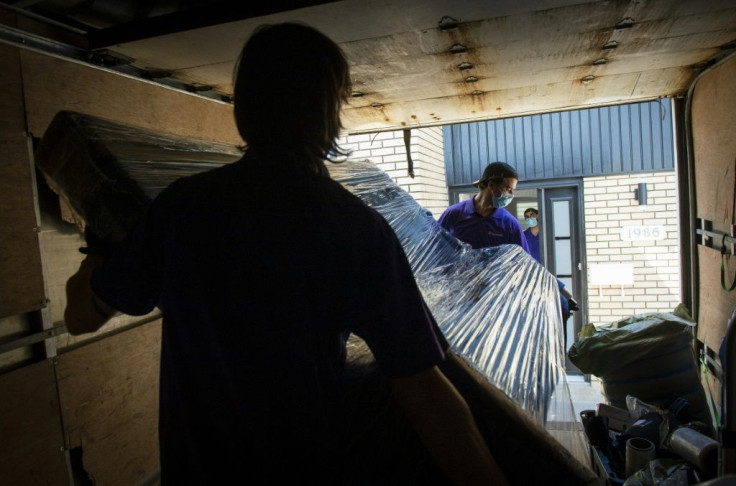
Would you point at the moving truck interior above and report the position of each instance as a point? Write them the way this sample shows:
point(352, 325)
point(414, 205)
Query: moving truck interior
point(83, 409)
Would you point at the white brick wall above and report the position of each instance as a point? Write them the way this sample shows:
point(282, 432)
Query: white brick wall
point(609, 205)
point(387, 151)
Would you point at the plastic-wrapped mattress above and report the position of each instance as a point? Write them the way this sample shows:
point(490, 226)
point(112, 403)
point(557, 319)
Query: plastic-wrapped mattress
point(498, 307)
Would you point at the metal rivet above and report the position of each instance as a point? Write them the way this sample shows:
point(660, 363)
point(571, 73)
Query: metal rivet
point(447, 23)
point(377, 105)
point(458, 49)
point(626, 23)
point(465, 65)
point(610, 45)
point(471, 79)
point(600, 61)
point(356, 94)
point(477, 92)
point(587, 79)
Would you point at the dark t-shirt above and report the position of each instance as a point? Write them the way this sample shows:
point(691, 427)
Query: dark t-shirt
point(262, 270)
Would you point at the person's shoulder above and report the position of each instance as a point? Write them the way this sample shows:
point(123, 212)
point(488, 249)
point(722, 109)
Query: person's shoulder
point(189, 183)
point(331, 197)
point(456, 208)
point(459, 205)
point(503, 213)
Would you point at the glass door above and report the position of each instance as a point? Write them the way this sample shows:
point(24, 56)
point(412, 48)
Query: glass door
point(563, 242)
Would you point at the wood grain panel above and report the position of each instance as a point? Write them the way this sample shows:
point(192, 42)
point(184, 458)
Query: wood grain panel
point(716, 305)
point(120, 98)
point(12, 121)
point(30, 426)
point(109, 399)
point(61, 258)
point(714, 143)
point(21, 277)
point(714, 149)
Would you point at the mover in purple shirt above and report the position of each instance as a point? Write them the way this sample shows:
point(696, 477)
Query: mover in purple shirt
point(531, 216)
point(483, 220)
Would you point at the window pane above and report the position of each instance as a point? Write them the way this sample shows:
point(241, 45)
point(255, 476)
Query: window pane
point(568, 284)
point(561, 214)
point(563, 262)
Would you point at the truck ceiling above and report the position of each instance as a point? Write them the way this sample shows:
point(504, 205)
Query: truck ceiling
point(414, 62)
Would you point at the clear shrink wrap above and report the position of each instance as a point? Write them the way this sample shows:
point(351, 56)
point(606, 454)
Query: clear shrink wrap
point(498, 307)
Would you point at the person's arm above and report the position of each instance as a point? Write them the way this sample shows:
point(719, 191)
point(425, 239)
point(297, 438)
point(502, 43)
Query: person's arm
point(85, 312)
point(567, 295)
point(443, 221)
point(521, 240)
point(444, 423)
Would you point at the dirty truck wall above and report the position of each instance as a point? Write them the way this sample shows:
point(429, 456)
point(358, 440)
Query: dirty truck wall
point(56, 411)
point(714, 149)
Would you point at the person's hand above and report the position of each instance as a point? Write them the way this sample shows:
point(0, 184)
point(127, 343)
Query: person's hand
point(572, 305)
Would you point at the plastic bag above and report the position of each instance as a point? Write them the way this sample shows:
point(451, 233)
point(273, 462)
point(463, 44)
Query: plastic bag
point(649, 356)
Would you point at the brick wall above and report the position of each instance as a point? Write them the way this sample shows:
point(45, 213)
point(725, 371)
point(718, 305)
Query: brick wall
point(609, 206)
point(387, 151)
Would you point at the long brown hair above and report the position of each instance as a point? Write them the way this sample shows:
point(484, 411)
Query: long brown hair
point(291, 81)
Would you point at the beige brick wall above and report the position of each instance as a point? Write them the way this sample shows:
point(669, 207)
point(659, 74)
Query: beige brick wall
point(610, 205)
point(387, 151)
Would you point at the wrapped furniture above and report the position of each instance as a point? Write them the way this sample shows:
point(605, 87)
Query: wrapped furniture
point(498, 307)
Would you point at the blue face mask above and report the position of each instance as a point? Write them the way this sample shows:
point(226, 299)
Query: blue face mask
point(531, 222)
point(502, 201)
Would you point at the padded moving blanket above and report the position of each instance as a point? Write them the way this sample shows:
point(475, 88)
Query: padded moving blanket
point(498, 307)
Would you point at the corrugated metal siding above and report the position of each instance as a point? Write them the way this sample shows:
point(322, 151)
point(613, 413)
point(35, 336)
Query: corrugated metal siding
point(597, 141)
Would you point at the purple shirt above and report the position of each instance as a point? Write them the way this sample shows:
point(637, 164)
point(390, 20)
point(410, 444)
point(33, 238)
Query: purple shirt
point(498, 228)
point(533, 242)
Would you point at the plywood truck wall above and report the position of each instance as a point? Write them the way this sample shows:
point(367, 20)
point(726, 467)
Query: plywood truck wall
point(21, 285)
point(94, 405)
point(713, 115)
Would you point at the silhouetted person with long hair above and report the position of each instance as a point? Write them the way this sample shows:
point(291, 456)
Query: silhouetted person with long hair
point(263, 267)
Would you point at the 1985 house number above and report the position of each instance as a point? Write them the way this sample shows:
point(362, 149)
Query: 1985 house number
point(637, 233)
